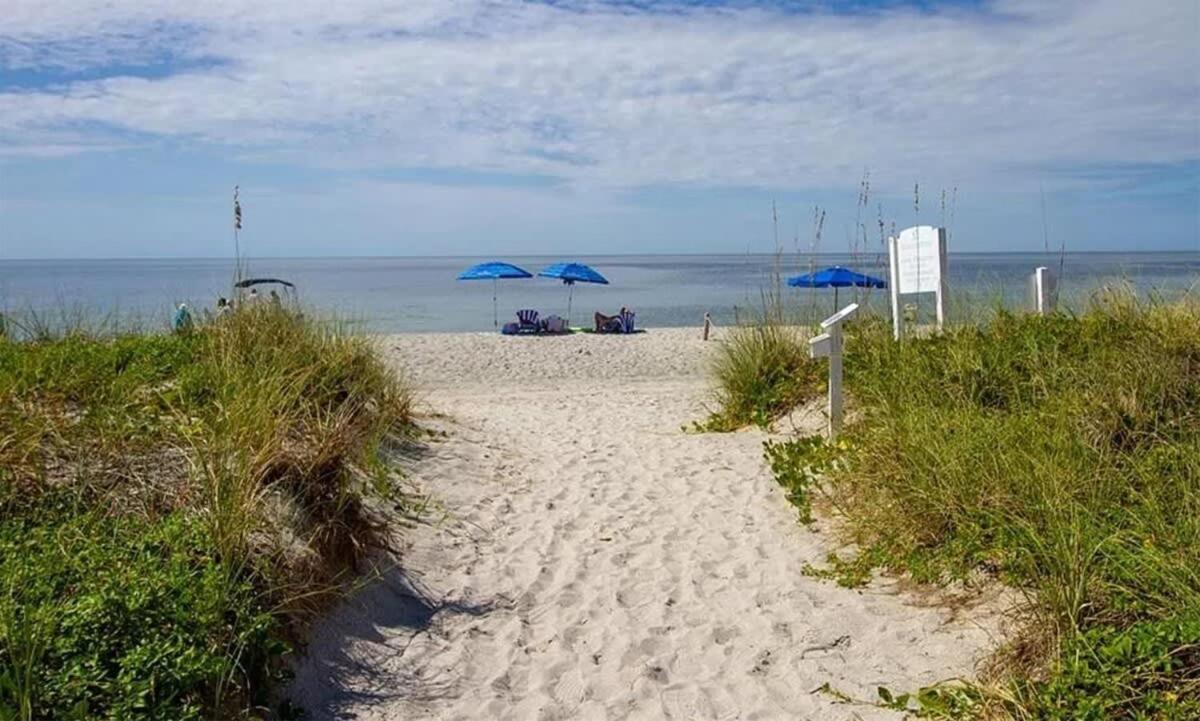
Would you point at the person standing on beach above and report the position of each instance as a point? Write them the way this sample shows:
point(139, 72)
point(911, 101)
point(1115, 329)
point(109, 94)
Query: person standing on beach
point(182, 321)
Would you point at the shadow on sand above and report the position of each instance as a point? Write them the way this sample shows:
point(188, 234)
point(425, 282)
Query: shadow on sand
point(352, 660)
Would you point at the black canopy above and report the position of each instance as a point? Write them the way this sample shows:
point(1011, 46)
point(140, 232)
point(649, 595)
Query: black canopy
point(258, 281)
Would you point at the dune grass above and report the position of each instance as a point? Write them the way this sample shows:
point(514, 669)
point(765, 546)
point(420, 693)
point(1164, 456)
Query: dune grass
point(760, 372)
point(1058, 454)
point(172, 507)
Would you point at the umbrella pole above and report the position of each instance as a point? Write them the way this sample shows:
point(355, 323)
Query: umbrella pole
point(835, 298)
point(495, 312)
point(570, 298)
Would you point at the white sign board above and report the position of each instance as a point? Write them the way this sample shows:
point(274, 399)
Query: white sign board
point(918, 265)
point(842, 315)
point(919, 258)
point(820, 346)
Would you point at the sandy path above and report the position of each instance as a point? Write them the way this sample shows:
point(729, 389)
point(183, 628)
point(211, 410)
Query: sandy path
point(599, 563)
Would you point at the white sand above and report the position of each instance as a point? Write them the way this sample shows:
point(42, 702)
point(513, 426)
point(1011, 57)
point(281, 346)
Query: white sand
point(597, 562)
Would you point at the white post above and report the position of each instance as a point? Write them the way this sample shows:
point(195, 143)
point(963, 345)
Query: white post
point(1044, 288)
point(829, 345)
point(894, 285)
point(1035, 290)
point(835, 381)
point(943, 288)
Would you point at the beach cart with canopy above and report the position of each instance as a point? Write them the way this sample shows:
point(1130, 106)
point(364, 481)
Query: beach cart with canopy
point(289, 289)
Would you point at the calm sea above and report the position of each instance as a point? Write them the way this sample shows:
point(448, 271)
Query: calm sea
point(421, 294)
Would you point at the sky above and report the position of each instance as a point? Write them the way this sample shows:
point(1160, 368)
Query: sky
point(491, 127)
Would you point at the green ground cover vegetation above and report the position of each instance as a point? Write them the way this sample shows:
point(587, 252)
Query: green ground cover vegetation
point(174, 507)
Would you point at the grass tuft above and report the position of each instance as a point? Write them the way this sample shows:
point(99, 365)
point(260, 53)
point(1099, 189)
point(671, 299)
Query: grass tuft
point(760, 373)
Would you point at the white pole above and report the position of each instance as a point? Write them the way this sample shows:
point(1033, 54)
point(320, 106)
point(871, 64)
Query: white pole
point(1042, 300)
point(829, 345)
point(894, 284)
point(835, 381)
point(570, 298)
point(495, 311)
point(943, 289)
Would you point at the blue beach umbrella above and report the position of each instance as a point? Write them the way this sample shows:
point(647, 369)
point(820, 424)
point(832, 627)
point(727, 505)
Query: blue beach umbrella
point(494, 271)
point(835, 277)
point(570, 274)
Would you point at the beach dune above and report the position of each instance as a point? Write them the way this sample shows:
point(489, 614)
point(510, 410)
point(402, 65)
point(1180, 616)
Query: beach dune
point(596, 561)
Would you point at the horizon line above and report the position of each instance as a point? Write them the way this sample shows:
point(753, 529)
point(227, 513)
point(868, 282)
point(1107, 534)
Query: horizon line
point(584, 255)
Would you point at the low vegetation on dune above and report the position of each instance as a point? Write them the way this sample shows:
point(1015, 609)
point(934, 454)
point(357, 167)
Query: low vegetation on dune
point(761, 372)
point(1058, 454)
point(172, 507)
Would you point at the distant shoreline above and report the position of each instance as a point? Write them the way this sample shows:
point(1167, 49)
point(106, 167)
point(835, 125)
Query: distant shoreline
point(759, 254)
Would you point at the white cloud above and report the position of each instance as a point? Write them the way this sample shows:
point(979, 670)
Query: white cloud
point(608, 98)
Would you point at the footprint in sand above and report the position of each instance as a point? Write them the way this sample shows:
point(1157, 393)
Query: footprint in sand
point(570, 690)
point(686, 704)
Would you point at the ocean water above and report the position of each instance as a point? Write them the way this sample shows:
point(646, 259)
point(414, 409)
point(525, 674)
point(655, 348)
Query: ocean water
point(421, 294)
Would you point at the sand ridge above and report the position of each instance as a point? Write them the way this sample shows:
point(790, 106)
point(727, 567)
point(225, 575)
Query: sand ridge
point(598, 562)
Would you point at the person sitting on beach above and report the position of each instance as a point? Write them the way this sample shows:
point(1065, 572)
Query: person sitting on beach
point(224, 308)
point(609, 323)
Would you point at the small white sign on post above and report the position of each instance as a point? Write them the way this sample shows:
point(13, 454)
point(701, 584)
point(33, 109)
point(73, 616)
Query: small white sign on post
point(1044, 288)
point(829, 345)
point(918, 265)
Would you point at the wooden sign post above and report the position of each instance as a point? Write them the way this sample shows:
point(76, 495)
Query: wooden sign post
point(1044, 288)
point(829, 345)
point(918, 265)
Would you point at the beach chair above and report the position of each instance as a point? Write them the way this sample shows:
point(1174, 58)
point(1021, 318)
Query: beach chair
point(528, 321)
point(627, 321)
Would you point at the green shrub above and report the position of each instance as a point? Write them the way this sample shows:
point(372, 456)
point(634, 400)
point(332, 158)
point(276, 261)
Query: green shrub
point(760, 373)
point(121, 618)
point(1149, 669)
point(799, 465)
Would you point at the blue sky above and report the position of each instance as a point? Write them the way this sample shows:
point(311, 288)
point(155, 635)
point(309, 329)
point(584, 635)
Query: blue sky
point(576, 126)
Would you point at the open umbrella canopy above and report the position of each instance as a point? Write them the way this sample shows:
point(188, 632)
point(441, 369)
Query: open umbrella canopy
point(259, 281)
point(493, 270)
point(835, 277)
point(571, 273)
